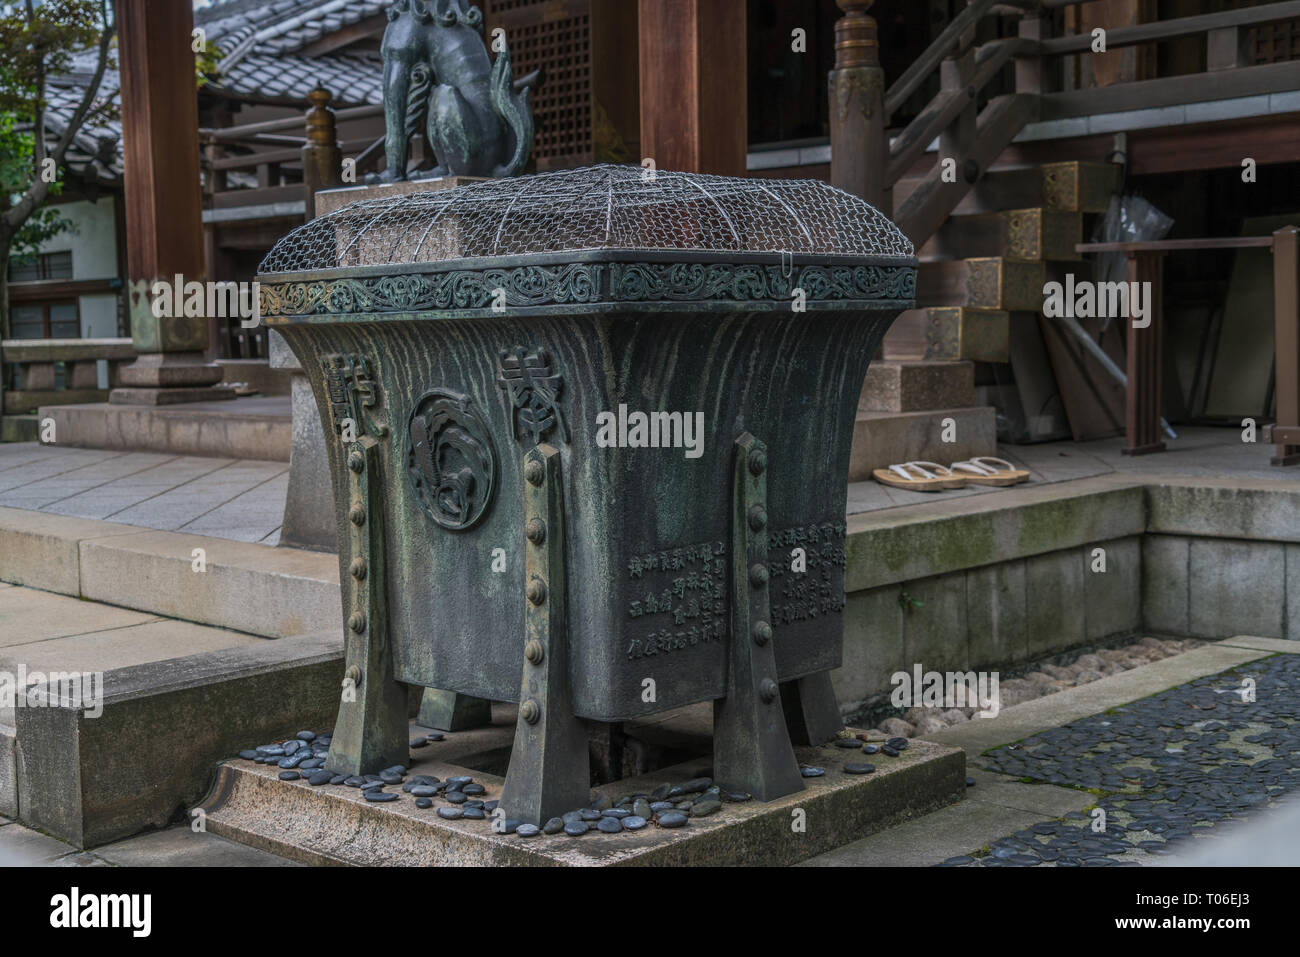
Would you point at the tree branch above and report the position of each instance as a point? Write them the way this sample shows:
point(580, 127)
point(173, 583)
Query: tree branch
point(39, 190)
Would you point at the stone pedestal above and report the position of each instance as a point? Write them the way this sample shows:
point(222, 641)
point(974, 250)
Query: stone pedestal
point(309, 506)
point(166, 378)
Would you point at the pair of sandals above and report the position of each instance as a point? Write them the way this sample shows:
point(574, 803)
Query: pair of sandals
point(933, 477)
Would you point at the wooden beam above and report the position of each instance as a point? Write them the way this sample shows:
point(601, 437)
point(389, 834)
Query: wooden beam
point(363, 29)
point(1145, 372)
point(693, 85)
point(160, 144)
point(1174, 91)
point(856, 85)
point(1172, 29)
point(1286, 342)
point(932, 201)
point(43, 289)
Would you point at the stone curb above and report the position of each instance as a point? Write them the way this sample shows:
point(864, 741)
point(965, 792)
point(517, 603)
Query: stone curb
point(151, 754)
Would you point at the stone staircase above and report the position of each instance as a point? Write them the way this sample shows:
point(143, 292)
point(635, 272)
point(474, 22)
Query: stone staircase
point(981, 274)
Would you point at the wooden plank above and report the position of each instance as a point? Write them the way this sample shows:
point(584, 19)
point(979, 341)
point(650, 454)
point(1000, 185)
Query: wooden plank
point(1173, 91)
point(1142, 433)
point(40, 289)
point(1173, 245)
point(693, 83)
point(285, 123)
point(1094, 401)
point(1171, 29)
point(1286, 339)
point(291, 193)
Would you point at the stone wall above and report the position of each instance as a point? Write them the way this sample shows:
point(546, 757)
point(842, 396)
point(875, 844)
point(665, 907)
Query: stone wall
point(1017, 584)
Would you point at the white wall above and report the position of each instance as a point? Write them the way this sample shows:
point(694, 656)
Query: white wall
point(93, 245)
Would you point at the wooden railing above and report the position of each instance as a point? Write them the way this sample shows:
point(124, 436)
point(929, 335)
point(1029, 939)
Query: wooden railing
point(1144, 352)
point(286, 166)
point(867, 161)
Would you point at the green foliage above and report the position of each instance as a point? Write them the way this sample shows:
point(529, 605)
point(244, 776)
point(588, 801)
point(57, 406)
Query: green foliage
point(207, 59)
point(41, 41)
point(37, 41)
point(907, 602)
point(15, 176)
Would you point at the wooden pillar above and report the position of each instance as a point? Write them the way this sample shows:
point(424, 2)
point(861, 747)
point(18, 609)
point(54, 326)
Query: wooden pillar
point(1286, 342)
point(164, 219)
point(1142, 432)
point(322, 160)
point(859, 143)
point(693, 85)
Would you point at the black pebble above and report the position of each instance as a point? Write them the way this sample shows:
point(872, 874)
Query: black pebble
point(859, 768)
point(554, 826)
point(379, 796)
point(576, 828)
point(451, 813)
point(289, 775)
point(423, 803)
point(609, 825)
point(812, 772)
point(317, 778)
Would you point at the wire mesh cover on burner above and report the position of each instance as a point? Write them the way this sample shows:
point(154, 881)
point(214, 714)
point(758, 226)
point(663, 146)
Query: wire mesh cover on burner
point(604, 207)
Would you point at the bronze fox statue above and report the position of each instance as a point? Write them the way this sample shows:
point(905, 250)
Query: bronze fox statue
point(439, 81)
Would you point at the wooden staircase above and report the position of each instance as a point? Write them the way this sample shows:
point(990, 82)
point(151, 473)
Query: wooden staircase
point(989, 237)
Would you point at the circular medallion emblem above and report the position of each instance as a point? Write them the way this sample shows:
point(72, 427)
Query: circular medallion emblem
point(449, 459)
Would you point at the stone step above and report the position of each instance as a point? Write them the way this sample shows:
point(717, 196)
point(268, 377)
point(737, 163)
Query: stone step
point(1031, 235)
point(19, 428)
point(8, 770)
point(319, 825)
point(916, 385)
point(251, 428)
point(982, 335)
point(258, 589)
point(1079, 187)
point(90, 778)
point(984, 283)
point(950, 333)
point(881, 439)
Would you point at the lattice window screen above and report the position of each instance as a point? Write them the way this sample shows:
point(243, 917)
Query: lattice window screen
point(562, 107)
point(1276, 42)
